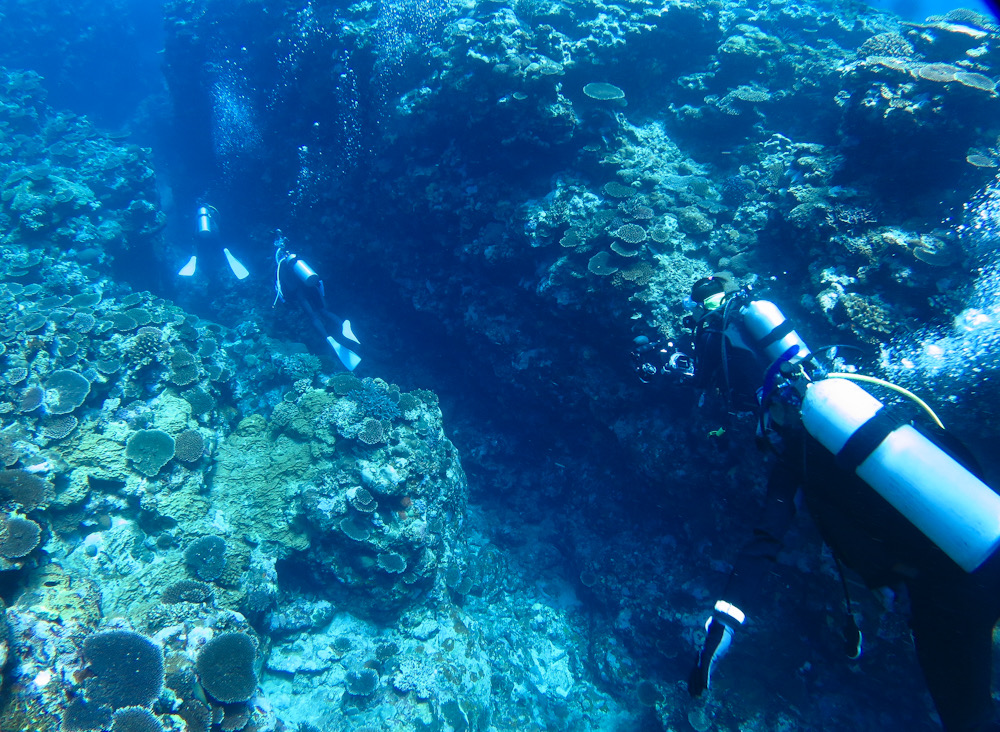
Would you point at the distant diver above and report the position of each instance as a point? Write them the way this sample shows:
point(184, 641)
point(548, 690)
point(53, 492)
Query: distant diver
point(900, 504)
point(295, 280)
point(208, 229)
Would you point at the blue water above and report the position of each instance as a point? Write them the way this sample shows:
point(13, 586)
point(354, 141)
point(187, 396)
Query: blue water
point(447, 170)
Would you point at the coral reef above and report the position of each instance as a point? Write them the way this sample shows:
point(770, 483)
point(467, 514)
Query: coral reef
point(206, 557)
point(252, 534)
point(125, 669)
point(225, 667)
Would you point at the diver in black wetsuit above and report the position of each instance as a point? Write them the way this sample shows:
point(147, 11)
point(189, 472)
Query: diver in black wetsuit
point(295, 280)
point(714, 357)
point(207, 228)
point(954, 595)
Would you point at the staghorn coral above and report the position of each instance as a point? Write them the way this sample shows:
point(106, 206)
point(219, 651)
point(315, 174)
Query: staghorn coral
point(146, 345)
point(377, 399)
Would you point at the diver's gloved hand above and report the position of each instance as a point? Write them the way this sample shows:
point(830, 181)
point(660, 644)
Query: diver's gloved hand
point(719, 634)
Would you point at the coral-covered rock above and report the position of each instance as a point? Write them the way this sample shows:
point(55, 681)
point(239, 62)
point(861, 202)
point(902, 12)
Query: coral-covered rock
point(206, 557)
point(27, 490)
point(65, 390)
point(150, 450)
point(226, 667)
point(126, 669)
point(135, 719)
point(18, 536)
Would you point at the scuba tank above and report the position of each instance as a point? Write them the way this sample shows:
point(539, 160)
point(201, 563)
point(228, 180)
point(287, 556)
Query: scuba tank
point(771, 332)
point(205, 224)
point(304, 272)
point(947, 503)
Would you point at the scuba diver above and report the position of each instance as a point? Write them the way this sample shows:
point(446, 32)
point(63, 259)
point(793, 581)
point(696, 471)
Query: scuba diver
point(208, 230)
point(714, 356)
point(294, 279)
point(898, 503)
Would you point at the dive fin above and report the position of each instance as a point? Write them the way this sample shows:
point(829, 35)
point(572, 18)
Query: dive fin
point(239, 270)
point(347, 357)
point(188, 269)
point(348, 333)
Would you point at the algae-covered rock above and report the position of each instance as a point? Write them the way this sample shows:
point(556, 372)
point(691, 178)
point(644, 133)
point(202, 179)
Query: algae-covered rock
point(256, 486)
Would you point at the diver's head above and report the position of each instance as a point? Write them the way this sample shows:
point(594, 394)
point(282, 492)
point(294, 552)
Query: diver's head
point(710, 292)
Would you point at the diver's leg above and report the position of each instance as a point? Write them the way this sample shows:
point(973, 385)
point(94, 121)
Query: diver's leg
point(347, 357)
point(343, 326)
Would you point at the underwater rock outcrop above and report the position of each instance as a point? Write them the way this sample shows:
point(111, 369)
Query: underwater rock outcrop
point(743, 146)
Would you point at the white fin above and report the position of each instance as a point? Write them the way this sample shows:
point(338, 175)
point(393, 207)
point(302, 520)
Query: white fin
point(347, 357)
point(348, 333)
point(239, 270)
point(188, 269)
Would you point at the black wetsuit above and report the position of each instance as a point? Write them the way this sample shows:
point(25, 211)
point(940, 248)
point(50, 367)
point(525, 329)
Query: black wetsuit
point(310, 297)
point(953, 612)
point(724, 361)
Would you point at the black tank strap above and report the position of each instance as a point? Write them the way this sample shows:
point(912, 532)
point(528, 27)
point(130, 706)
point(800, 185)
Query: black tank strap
point(867, 438)
point(779, 332)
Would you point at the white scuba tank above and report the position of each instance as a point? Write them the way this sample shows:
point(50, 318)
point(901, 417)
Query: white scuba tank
point(771, 333)
point(205, 224)
point(953, 508)
point(305, 273)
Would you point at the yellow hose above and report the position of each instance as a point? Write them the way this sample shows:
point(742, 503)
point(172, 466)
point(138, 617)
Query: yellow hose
point(898, 389)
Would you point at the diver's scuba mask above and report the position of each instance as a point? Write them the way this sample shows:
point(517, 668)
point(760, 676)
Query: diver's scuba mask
point(713, 302)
